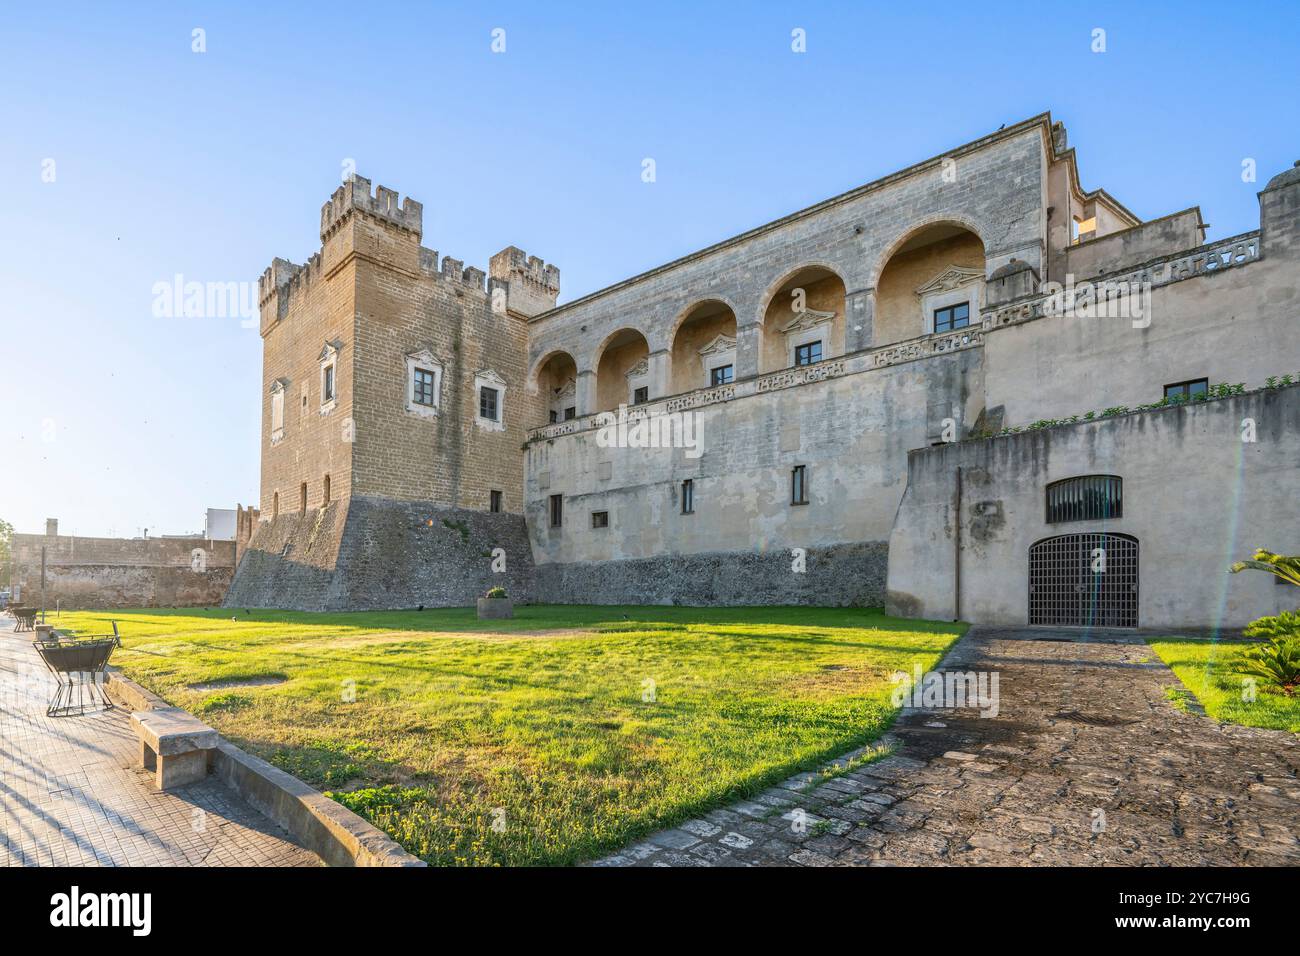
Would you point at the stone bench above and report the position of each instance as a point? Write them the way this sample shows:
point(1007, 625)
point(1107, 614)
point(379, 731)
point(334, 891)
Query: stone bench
point(174, 746)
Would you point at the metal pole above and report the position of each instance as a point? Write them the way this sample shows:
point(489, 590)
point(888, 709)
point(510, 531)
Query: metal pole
point(42, 584)
point(956, 570)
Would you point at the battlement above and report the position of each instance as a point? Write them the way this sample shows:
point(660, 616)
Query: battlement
point(452, 270)
point(533, 285)
point(512, 264)
point(354, 195)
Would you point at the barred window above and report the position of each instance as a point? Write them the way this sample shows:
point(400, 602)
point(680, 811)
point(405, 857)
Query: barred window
point(600, 519)
point(1086, 498)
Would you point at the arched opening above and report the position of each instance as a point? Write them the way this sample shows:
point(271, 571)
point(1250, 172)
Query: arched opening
point(933, 282)
point(557, 389)
point(803, 323)
point(623, 371)
point(704, 348)
point(1084, 580)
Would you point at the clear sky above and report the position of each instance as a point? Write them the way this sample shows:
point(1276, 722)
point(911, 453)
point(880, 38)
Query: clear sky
point(169, 162)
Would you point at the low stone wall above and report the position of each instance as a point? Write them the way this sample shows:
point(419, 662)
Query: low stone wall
point(845, 575)
point(372, 553)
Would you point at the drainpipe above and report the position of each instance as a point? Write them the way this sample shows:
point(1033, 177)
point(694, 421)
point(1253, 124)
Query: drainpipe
point(956, 556)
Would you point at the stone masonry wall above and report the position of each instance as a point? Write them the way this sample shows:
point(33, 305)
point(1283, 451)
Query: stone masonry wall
point(848, 575)
point(384, 555)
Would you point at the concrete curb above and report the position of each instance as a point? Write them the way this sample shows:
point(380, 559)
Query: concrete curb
point(330, 830)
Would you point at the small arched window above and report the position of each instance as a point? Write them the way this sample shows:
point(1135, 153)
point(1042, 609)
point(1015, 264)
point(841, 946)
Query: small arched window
point(1085, 498)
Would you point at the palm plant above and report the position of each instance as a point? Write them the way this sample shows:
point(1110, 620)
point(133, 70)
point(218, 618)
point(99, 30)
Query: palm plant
point(1286, 567)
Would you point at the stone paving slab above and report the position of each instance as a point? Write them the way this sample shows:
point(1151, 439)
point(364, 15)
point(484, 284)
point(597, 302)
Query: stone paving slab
point(71, 795)
point(1086, 763)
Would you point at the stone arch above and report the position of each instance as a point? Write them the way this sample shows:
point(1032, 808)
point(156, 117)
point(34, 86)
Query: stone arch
point(553, 387)
point(930, 279)
point(939, 219)
point(621, 363)
point(815, 319)
point(702, 338)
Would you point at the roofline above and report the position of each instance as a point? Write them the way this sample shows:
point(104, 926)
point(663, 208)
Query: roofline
point(1043, 120)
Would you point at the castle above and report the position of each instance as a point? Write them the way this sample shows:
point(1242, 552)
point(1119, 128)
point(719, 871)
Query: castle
point(947, 392)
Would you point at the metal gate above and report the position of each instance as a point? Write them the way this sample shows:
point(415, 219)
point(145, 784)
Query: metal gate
point(1084, 580)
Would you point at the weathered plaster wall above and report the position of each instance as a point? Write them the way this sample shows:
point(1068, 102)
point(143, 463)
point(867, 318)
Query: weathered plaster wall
point(1132, 247)
point(1195, 495)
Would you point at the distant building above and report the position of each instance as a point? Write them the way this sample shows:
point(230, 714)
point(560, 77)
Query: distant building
point(219, 525)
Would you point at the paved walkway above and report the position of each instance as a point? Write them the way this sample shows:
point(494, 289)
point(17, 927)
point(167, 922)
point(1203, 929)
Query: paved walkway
point(71, 796)
point(1086, 763)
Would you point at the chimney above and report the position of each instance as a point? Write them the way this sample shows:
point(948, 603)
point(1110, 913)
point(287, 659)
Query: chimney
point(51, 527)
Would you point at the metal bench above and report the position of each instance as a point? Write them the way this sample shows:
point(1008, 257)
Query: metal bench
point(174, 746)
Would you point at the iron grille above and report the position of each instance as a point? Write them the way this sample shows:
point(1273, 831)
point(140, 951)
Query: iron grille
point(1086, 498)
point(1070, 587)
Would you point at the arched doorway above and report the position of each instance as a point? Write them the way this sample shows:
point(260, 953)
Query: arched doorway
point(1088, 579)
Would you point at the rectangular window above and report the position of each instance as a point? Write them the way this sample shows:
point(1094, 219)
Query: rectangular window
point(487, 403)
point(688, 497)
point(557, 510)
point(1188, 390)
point(952, 317)
point(570, 413)
point(799, 485)
point(600, 519)
point(808, 354)
point(720, 375)
point(424, 387)
point(555, 416)
point(641, 395)
point(325, 491)
point(494, 501)
point(327, 385)
point(302, 504)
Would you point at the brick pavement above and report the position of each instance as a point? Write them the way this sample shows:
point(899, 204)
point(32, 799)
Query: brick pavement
point(1086, 763)
point(70, 794)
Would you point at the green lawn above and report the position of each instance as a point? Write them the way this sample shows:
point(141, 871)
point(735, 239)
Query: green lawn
point(1210, 670)
point(551, 717)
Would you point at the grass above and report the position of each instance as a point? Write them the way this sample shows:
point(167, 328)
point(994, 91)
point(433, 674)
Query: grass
point(1212, 671)
point(545, 739)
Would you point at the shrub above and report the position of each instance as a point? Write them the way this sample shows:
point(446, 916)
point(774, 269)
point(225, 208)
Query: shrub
point(1276, 662)
point(1284, 626)
point(497, 592)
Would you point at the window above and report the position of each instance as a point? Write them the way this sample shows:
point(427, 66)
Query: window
point(329, 359)
point(557, 510)
point(277, 410)
point(490, 388)
point(1188, 390)
point(424, 381)
point(688, 497)
point(600, 519)
point(555, 416)
point(808, 353)
point(325, 491)
point(302, 504)
point(275, 505)
point(1086, 498)
point(570, 412)
point(641, 395)
point(799, 485)
point(494, 501)
point(720, 375)
point(952, 317)
point(487, 404)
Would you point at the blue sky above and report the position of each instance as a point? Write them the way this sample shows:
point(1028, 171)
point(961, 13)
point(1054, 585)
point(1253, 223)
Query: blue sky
point(209, 164)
